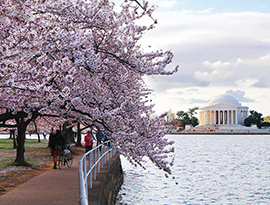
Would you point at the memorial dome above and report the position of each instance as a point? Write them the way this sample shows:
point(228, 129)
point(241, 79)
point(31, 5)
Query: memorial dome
point(224, 99)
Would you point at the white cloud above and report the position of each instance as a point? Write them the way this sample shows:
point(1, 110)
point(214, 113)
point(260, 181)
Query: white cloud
point(197, 101)
point(186, 26)
point(240, 95)
point(216, 64)
point(246, 83)
point(246, 72)
point(206, 11)
point(216, 52)
point(262, 83)
point(259, 62)
point(212, 77)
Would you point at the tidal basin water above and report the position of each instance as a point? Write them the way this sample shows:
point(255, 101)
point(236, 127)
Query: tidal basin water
point(214, 169)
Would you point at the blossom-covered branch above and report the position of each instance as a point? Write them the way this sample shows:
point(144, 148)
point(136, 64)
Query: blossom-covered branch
point(81, 60)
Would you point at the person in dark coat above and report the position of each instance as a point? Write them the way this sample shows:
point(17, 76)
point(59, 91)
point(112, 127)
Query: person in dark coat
point(56, 141)
point(99, 136)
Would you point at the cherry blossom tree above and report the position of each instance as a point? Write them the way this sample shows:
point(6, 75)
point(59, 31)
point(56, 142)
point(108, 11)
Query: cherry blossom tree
point(26, 93)
point(81, 60)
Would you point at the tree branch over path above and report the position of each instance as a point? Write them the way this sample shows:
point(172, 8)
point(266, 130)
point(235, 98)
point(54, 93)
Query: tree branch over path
point(82, 62)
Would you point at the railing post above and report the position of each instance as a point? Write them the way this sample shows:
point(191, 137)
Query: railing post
point(102, 151)
point(105, 155)
point(114, 150)
point(84, 174)
point(111, 154)
point(108, 154)
point(104, 158)
point(95, 169)
point(98, 151)
point(90, 174)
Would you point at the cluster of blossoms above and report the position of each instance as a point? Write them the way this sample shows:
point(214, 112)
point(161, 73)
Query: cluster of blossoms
point(80, 60)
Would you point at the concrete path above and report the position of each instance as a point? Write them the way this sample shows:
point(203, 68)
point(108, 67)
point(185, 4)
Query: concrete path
point(54, 187)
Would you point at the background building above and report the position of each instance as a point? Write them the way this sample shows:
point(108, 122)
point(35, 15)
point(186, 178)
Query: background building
point(223, 110)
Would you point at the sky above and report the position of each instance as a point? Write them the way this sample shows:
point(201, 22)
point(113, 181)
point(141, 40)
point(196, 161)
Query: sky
point(220, 46)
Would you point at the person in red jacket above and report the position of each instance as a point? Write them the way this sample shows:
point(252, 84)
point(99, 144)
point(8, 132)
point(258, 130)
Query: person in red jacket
point(88, 139)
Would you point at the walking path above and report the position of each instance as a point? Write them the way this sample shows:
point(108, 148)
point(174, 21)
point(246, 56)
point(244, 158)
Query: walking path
point(54, 187)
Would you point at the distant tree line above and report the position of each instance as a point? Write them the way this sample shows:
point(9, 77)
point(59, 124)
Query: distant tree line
point(182, 118)
point(255, 118)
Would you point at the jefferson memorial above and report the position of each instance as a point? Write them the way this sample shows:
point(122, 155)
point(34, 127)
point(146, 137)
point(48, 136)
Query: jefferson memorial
point(223, 110)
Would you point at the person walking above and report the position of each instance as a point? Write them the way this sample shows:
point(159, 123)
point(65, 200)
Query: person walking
point(88, 139)
point(56, 141)
point(99, 136)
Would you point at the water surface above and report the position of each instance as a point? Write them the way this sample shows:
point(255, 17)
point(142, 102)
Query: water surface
point(215, 169)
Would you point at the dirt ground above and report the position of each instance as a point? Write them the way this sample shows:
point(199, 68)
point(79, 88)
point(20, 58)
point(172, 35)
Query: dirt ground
point(36, 154)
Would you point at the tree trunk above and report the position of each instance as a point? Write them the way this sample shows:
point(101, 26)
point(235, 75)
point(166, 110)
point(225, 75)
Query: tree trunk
point(20, 142)
point(79, 136)
point(38, 137)
point(10, 134)
point(37, 131)
point(14, 139)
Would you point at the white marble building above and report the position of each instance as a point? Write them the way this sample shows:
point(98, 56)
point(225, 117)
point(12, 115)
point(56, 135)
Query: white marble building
point(223, 110)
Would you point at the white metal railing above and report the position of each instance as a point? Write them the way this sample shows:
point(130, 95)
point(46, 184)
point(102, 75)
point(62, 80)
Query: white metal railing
point(101, 154)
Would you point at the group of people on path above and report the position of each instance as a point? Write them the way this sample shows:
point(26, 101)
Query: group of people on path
point(57, 142)
point(89, 139)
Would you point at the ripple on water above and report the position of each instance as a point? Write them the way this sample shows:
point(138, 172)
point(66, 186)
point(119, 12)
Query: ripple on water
point(208, 169)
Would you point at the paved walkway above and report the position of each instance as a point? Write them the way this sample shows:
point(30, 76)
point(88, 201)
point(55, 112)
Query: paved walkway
point(54, 187)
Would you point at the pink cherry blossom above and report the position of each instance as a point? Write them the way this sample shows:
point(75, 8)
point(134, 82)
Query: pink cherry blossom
point(81, 61)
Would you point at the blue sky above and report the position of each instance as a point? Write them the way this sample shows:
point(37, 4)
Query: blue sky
point(226, 5)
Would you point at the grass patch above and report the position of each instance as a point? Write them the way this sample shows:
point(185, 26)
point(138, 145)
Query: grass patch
point(6, 163)
point(36, 153)
point(7, 144)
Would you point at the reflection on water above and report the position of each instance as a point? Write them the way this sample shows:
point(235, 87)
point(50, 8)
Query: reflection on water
point(209, 170)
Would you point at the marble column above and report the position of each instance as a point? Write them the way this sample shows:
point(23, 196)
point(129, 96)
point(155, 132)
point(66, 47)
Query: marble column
point(218, 117)
point(227, 119)
point(236, 117)
point(205, 115)
point(223, 117)
point(210, 117)
point(231, 117)
point(215, 117)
